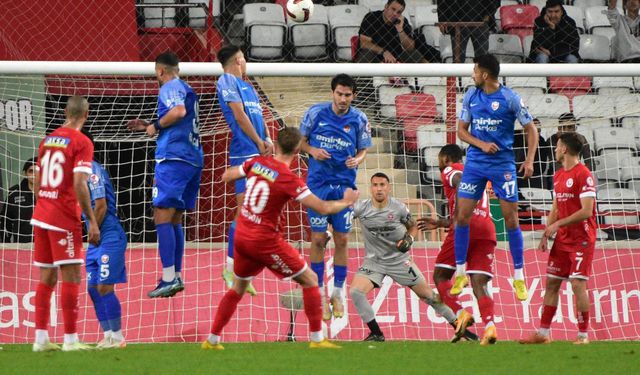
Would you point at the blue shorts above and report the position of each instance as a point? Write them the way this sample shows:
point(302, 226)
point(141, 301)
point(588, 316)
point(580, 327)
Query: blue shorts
point(240, 184)
point(105, 262)
point(341, 222)
point(503, 181)
point(176, 184)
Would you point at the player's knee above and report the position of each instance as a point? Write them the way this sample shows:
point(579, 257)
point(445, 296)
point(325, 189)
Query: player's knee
point(49, 276)
point(441, 276)
point(578, 285)
point(308, 279)
point(340, 240)
point(356, 294)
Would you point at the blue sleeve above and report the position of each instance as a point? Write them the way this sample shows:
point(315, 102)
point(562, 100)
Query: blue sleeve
point(307, 124)
point(517, 106)
point(228, 89)
point(465, 113)
point(364, 133)
point(96, 184)
point(173, 94)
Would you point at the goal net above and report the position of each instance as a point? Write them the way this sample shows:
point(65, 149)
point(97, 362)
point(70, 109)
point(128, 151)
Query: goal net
point(411, 117)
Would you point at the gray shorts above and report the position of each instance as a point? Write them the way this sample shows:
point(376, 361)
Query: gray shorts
point(405, 274)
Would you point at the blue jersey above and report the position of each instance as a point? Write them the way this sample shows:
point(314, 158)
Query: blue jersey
point(232, 89)
point(492, 119)
point(181, 140)
point(100, 187)
point(341, 136)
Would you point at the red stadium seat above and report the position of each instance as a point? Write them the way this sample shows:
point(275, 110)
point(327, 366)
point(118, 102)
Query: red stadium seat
point(518, 16)
point(522, 33)
point(570, 86)
point(355, 44)
point(414, 111)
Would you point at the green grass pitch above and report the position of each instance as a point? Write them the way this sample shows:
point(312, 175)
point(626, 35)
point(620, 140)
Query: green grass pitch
point(395, 358)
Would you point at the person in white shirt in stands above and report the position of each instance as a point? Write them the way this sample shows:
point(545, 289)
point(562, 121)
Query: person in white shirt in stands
point(626, 44)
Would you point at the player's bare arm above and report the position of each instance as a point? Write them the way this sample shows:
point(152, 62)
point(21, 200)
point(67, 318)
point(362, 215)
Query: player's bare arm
point(246, 126)
point(465, 136)
point(532, 145)
point(553, 216)
point(585, 212)
point(429, 223)
point(367, 43)
point(330, 207)
point(316, 153)
point(84, 199)
point(353, 161)
point(405, 243)
point(174, 115)
point(232, 174)
point(407, 42)
point(100, 210)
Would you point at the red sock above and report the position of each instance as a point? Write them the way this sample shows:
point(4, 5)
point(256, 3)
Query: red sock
point(449, 300)
point(43, 305)
point(226, 309)
point(69, 295)
point(313, 307)
point(485, 304)
point(583, 321)
point(548, 312)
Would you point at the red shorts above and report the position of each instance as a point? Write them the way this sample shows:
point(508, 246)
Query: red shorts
point(250, 257)
point(479, 257)
point(53, 248)
point(569, 262)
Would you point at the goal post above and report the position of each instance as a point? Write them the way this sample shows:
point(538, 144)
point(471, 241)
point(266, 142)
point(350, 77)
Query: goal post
point(412, 110)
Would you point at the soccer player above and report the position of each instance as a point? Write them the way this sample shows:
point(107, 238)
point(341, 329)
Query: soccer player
point(60, 187)
point(572, 221)
point(481, 249)
point(105, 262)
point(336, 137)
point(241, 108)
point(178, 168)
point(389, 231)
point(259, 243)
point(486, 123)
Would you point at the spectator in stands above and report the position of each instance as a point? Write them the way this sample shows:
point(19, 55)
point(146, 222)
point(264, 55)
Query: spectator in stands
point(567, 122)
point(555, 36)
point(18, 208)
point(626, 44)
point(469, 11)
point(544, 155)
point(386, 36)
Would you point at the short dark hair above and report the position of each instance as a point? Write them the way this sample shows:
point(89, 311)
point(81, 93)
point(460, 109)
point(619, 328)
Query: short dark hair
point(401, 2)
point(567, 117)
point(489, 63)
point(168, 58)
point(379, 175)
point(288, 140)
point(452, 151)
point(553, 3)
point(572, 141)
point(343, 80)
point(29, 163)
point(226, 53)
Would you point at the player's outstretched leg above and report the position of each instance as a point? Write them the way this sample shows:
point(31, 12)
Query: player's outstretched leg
point(339, 273)
point(360, 287)
point(426, 294)
point(43, 311)
point(179, 234)
point(485, 304)
point(516, 247)
point(549, 308)
point(226, 309)
point(227, 272)
point(169, 284)
point(319, 242)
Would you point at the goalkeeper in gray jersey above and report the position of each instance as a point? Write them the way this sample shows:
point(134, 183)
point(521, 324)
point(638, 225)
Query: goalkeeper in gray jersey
point(389, 231)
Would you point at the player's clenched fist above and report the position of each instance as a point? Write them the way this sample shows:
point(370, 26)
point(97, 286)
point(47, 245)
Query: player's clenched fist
point(405, 243)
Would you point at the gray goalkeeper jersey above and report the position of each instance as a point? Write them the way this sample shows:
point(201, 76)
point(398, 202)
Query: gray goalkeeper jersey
point(382, 229)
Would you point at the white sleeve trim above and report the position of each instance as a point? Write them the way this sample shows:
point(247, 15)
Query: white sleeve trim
point(241, 170)
point(588, 194)
point(86, 170)
point(450, 179)
point(303, 195)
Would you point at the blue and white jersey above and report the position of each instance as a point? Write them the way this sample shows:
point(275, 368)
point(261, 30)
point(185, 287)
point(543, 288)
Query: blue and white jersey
point(100, 187)
point(492, 119)
point(341, 136)
point(181, 140)
point(232, 89)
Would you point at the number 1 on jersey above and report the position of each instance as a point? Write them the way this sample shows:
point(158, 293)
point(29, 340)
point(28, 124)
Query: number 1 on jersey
point(509, 188)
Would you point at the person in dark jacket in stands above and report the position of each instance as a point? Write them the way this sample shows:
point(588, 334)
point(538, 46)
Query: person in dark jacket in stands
point(17, 210)
point(555, 36)
point(544, 155)
point(567, 123)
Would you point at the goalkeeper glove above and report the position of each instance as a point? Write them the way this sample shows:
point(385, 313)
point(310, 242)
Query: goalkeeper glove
point(405, 244)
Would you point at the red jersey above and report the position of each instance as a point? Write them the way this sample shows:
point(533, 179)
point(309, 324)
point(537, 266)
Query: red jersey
point(568, 187)
point(61, 154)
point(482, 227)
point(270, 185)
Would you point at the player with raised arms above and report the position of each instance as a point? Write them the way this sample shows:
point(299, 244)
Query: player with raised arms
point(105, 262)
point(240, 105)
point(572, 221)
point(179, 161)
point(486, 122)
point(389, 231)
point(60, 188)
point(259, 243)
point(481, 249)
point(336, 137)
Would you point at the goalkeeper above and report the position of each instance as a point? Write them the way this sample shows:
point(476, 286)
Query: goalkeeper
point(389, 231)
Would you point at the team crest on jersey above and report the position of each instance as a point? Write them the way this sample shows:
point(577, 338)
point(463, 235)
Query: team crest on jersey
point(569, 182)
point(589, 181)
point(508, 176)
point(58, 142)
point(390, 217)
point(346, 128)
point(495, 106)
point(62, 242)
point(94, 179)
point(104, 258)
point(265, 172)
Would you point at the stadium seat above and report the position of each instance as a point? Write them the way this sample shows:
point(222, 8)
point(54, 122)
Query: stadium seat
point(577, 14)
point(266, 31)
point(634, 185)
point(387, 98)
point(373, 5)
point(627, 105)
point(616, 194)
point(636, 83)
point(432, 35)
point(608, 32)
point(507, 48)
point(630, 169)
point(540, 199)
point(618, 206)
point(570, 86)
point(198, 16)
point(526, 45)
point(518, 19)
point(606, 169)
point(414, 111)
point(614, 138)
point(596, 17)
point(434, 136)
point(159, 17)
point(425, 15)
point(436, 86)
point(584, 4)
point(613, 85)
point(309, 39)
point(548, 105)
point(594, 106)
point(446, 50)
point(595, 48)
point(345, 21)
point(430, 155)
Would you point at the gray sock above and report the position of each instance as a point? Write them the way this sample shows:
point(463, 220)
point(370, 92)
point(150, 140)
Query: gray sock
point(362, 305)
point(441, 309)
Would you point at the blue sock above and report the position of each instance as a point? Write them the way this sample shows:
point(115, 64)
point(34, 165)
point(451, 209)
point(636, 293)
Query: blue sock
point(232, 234)
point(318, 268)
point(339, 275)
point(461, 243)
point(166, 244)
point(98, 305)
point(516, 247)
point(179, 233)
point(113, 310)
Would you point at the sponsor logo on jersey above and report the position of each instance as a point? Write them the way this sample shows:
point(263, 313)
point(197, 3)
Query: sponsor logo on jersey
point(486, 124)
point(104, 258)
point(279, 263)
point(70, 248)
point(318, 221)
point(265, 172)
point(332, 143)
point(569, 182)
point(322, 123)
point(495, 106)
point(48, 194)
point(57, 142)
point(467, 187)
